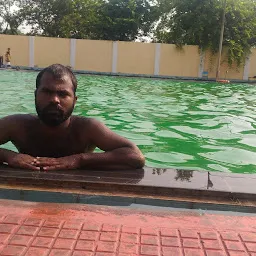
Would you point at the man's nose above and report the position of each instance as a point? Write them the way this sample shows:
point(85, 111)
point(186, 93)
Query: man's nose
point(55, 99)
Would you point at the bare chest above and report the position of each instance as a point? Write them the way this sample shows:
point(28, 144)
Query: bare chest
point(37, 144)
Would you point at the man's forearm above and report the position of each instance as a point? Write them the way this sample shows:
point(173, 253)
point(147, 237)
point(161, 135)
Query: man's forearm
point(122, 158)
point(5, 154)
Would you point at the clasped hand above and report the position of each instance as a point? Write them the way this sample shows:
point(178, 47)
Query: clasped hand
point(44, 163)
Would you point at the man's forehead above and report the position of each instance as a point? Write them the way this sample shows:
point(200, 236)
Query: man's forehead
point(64, 82)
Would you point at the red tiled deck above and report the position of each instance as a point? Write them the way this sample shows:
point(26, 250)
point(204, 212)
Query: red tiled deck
point(33, 229)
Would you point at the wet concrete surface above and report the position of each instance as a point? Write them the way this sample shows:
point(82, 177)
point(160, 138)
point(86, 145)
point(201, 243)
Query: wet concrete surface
point(148, 186)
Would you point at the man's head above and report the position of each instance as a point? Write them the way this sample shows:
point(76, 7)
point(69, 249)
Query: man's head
point(9, 49)
point(55, 94)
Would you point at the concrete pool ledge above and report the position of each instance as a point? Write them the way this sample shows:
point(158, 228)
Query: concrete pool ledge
point(153, 186)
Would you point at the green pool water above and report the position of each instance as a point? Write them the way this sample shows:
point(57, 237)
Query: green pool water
point(190, 125)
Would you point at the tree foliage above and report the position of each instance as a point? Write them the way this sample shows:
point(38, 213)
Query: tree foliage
point(197, 22)
point(10, 18)
point(180, 22)
point(82, 21)
point(46, 17)
point(125, 20)
point(94, 19)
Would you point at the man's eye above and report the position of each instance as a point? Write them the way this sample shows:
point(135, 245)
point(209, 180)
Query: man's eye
point(63, 94)
point(46, 92)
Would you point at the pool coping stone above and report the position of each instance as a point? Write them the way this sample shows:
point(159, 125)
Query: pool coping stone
point(163, 186)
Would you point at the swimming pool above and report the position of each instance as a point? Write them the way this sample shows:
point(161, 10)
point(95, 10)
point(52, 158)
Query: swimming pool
point(189, 125)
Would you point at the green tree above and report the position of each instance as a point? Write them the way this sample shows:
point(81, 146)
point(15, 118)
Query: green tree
point(83, 20)
point(46, 17)
point(10, 18)
point(90, 19)
point(240, 31)
point(197, 22)
point(125, 20)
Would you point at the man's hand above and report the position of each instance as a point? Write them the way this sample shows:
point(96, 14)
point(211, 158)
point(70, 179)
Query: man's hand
point(55, 164)
point(22, 161)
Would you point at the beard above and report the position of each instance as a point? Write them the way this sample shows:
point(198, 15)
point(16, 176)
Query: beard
point(53, 115)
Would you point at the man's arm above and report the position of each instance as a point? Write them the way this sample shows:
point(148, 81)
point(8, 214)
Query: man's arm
point(119, 153)
point(7, 127)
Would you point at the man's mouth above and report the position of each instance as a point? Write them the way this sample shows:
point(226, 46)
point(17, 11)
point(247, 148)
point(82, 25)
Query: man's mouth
point(54, 111)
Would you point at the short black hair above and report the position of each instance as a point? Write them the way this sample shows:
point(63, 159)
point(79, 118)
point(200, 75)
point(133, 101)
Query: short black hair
point(58, 71)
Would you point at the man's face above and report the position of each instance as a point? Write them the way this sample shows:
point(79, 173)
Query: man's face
point(55, 100)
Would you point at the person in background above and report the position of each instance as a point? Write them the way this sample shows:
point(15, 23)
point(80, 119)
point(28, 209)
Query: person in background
point(8, 57)
point(1, 61)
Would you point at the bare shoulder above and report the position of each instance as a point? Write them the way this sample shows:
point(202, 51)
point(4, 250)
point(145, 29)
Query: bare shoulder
point(14, 126)
point(17, 123)
point(85, 122)
point(18, 119)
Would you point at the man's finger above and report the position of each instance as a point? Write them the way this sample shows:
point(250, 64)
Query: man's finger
point(46, 163)
point(45, 158)
point(30, 167)
point(34, 161)
point(54, 168)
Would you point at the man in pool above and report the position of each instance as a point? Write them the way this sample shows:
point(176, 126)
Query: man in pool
point(57, 140)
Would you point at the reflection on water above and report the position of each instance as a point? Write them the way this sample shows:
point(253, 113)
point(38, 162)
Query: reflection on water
point(205, 126)
point(184, 175)
point(181, 175)
point(209, 182)
point(158, 171)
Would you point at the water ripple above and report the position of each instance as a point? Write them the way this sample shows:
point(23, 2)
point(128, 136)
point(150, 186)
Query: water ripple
point(176, 124)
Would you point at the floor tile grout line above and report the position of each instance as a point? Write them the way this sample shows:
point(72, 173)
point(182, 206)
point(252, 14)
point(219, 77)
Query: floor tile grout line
point(2, 218)
point(12, 234)
point(230, 240)
point(139, 242)
point(34, 237)
point(97, 240)
point(224, 248)
point(214, 229)
point(181, 242)
point(15, 230)
point(201, 243)
point(119, 232)
point(32, 225)
point(77, 239)
point(244, 245)
point(159, 242)
point(214, 250)
point(55, 238)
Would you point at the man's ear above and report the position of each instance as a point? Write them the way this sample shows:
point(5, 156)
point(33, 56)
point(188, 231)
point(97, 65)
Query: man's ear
point(75, 99)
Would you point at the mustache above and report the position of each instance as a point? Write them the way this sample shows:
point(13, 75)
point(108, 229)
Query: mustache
point(53, 107)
